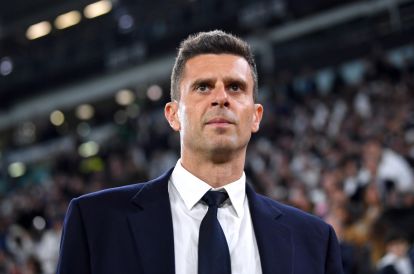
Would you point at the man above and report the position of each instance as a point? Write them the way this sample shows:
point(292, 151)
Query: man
point(169, 225)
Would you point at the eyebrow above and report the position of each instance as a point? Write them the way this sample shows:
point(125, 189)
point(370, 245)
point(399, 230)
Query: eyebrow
point(227, 81)
point(240, 82)
point(200, 81)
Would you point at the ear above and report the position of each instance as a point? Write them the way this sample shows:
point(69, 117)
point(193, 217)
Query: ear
point(171, 114)
point(257, 117)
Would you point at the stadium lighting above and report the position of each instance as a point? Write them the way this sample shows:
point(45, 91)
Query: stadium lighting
point(17, 169)
point(85, 112)
point(6, 66)
point(154, 93)
point(38, 30)
point(88, 149)
point(97, 9)
point(57, 118)
point(125, 23)
point(125, 97)
point(67, 19)
point(39, 223)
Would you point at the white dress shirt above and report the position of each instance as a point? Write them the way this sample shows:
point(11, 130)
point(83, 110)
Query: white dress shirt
point(185, 191)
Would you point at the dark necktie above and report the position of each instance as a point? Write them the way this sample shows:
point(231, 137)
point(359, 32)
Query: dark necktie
point(213, 252)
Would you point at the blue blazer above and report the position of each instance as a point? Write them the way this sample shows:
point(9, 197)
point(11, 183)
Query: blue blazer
point(128, 230)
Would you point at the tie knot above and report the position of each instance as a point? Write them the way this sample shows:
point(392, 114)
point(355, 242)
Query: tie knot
point(215, 198)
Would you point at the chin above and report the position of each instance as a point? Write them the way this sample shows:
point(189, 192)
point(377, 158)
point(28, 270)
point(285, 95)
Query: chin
point(223, 152)
point(222, 145)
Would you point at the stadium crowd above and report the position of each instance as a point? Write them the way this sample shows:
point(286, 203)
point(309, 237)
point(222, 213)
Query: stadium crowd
point(346, 155)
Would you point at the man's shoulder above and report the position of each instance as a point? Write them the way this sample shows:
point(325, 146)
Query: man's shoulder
point(293, 216)
point(120, 195)
point(109, 197)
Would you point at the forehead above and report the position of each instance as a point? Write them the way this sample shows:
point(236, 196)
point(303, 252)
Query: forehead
point(217, 65)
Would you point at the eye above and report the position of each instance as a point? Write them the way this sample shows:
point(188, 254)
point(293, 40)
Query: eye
point(234, 87)
point(202, 87)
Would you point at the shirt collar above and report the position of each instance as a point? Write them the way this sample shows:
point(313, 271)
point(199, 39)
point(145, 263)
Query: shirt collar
point(192, 189)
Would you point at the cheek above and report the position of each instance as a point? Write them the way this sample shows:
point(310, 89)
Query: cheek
point(246, 124)
point(186, 116)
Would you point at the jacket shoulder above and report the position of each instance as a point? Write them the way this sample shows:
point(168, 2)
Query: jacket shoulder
point(297, 218)
point(119, 196)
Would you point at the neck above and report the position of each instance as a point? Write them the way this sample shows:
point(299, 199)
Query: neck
point(216, 173)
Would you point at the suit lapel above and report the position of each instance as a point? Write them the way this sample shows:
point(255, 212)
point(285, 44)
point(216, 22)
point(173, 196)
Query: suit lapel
point(274, 239)
point(151, 226)
point(152, 229)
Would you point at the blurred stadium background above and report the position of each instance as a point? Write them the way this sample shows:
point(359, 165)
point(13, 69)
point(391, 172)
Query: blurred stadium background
point(83, 85)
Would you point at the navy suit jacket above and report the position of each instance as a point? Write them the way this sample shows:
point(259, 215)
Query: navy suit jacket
point(128, 230)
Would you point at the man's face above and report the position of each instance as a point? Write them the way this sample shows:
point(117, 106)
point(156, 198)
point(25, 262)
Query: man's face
point(216, 112)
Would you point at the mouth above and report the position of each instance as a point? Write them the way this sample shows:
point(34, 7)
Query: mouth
point(219, 122)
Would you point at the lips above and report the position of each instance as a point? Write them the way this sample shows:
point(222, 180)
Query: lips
point(219, 121)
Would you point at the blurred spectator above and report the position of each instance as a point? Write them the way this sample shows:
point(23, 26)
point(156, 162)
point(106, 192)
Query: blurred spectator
point(396, 260)
point(389, 170)
point(47, 249)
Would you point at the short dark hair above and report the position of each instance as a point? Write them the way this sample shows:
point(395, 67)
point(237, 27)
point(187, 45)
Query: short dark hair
point(212, 42)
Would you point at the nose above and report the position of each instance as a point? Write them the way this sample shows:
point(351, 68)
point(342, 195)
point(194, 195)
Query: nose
point(220, 97)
